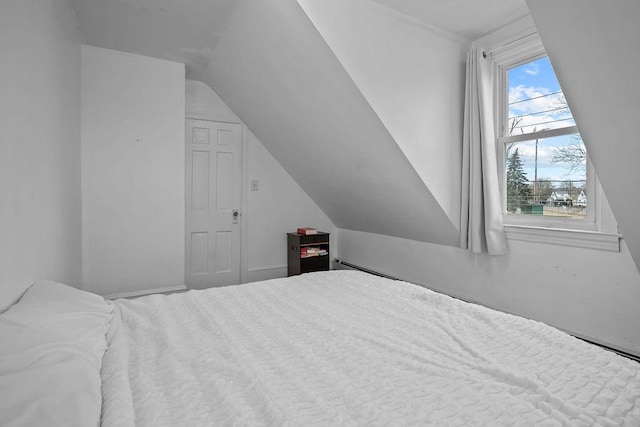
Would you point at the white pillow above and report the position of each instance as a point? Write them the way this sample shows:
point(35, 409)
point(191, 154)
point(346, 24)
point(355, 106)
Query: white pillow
point(63, 311)
point(51, 346)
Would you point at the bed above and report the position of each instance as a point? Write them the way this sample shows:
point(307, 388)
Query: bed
point(326, 348)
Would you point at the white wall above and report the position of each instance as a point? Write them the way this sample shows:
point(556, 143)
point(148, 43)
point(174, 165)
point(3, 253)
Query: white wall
point(278, 207)
point(591, 293)
point(593, 46)
point(203, 103)
point(413, 77)
point(40, 212)
point(133, 171)
point(289, 88)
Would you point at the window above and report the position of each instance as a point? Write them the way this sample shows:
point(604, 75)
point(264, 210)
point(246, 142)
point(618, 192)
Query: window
point(547, 180)
point(545, 160)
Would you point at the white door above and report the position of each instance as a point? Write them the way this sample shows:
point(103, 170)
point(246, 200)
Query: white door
point(214, 173)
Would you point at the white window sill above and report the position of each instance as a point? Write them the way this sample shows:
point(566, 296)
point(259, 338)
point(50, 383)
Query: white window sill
point(564, 237)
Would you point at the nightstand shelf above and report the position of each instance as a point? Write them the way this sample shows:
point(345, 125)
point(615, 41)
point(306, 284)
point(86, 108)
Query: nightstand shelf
point(307, 253)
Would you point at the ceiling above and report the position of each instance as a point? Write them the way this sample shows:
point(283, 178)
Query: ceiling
point(468, 19)
point(184, 31)
point(188, 31)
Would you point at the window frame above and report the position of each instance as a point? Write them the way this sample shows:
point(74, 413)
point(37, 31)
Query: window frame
point(598, 230)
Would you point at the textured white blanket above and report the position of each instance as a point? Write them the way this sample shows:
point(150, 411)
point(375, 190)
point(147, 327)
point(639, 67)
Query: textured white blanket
point(347, 348)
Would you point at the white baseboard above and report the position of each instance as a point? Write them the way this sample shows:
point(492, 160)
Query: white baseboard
point(133, 294)
point(266, 273)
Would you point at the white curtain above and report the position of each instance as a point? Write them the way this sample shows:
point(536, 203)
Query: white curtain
point(481, 226)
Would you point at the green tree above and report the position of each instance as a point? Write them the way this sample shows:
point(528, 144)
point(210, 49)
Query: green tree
point(518, 190)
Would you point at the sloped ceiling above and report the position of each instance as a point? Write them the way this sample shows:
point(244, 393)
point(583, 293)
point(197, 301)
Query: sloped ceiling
point(593, 46)
point(271, 66)
point(412, 77)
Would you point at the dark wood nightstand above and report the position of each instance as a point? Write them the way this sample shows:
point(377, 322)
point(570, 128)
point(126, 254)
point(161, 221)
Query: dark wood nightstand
point(307, 253)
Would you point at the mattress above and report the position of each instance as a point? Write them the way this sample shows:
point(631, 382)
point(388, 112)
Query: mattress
point(349, 348)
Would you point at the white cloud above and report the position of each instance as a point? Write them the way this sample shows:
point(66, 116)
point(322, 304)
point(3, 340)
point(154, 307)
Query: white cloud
point(538, 108)
point(532, 69)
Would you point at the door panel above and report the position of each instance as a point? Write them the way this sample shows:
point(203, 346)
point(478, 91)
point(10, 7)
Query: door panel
point(224, 182)
point(199, 253)
point(214, 174)
point(224, 252)
point(200, 181)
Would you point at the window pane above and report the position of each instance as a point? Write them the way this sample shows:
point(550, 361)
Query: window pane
point(536, 101)
point(547, 176)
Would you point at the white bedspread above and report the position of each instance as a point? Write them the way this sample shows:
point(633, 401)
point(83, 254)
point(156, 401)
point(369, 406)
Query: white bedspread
point(347, 348)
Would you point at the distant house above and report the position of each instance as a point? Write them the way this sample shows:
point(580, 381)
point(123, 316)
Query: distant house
point(581, 201)
point(561, 199)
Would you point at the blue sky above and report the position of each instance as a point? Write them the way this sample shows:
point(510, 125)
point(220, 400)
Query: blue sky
point(538, 73)
point(536, 100)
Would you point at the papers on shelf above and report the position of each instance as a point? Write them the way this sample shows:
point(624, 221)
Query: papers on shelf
point(310, 252)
